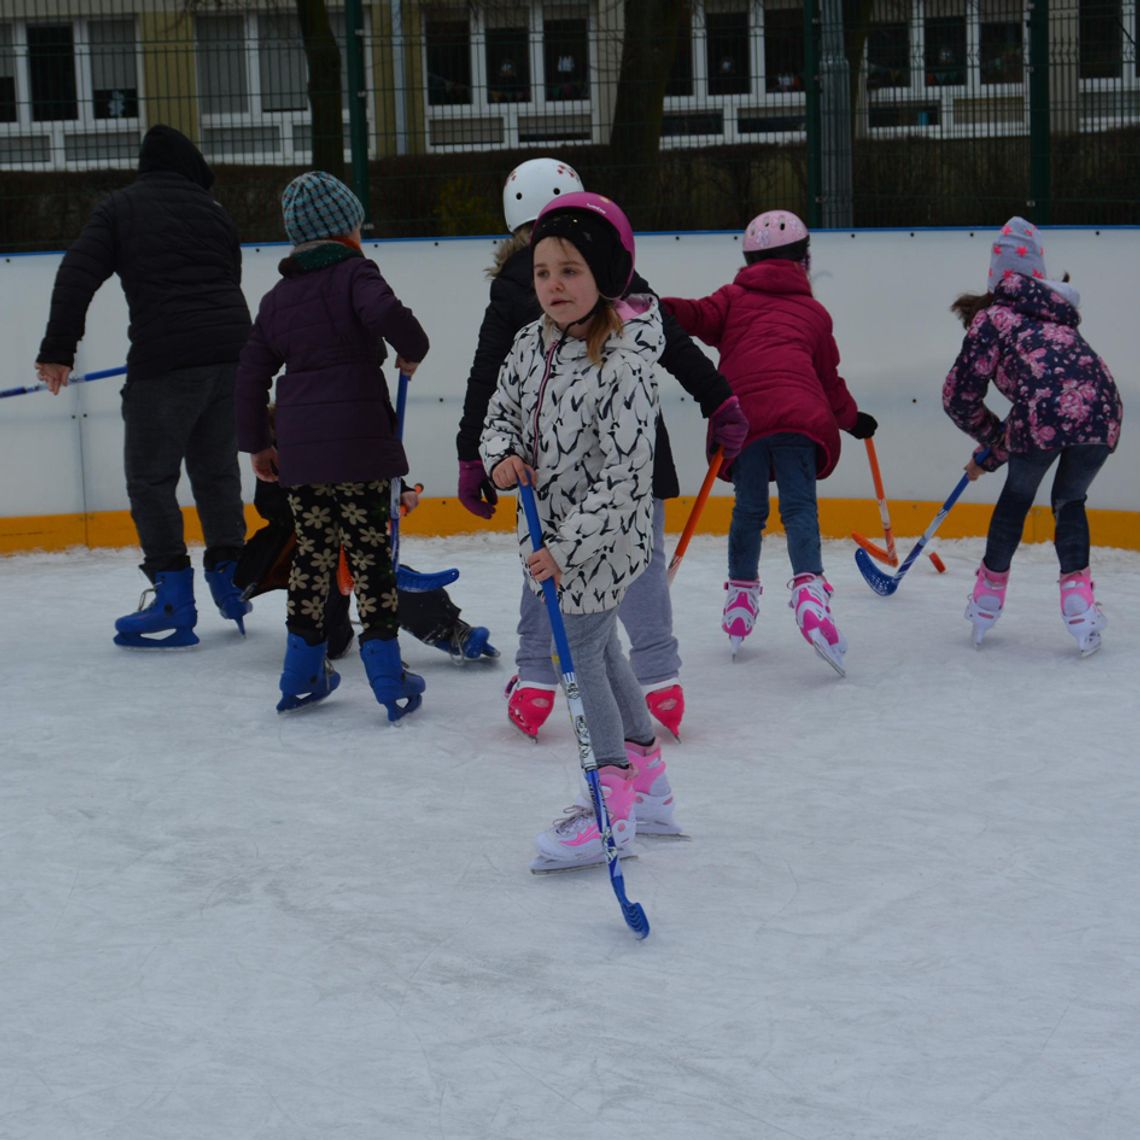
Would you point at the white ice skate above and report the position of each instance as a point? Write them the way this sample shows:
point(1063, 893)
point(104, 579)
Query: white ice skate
point(574, 842)
point(984, 605)
point(741, 604)
point(1081, 612)
point(811, 600)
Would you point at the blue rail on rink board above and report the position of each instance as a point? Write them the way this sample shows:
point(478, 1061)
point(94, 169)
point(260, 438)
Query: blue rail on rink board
point(85, 378)
point(632, 912)
point(887, 584)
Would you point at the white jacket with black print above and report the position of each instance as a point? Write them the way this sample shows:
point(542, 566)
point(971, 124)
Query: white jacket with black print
point(589, 431)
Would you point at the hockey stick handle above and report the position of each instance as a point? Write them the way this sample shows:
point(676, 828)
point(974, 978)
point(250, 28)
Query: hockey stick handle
point(632, 912)
point(394, 509)
point(102, 374)
point(881, 496)
point(715, 465)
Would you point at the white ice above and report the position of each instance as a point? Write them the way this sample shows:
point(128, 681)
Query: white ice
point(910, 909)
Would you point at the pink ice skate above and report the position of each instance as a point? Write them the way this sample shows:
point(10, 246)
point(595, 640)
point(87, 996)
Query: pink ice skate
point(811, 600)
point(741, 604)
point(1080, 610)
point(666, 702)
point(652, 791)
point(528, 705)
point(985, 603)
point(574, 840)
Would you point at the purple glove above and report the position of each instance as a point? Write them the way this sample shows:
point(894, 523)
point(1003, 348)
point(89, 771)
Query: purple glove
point(728, 428)
point(476, 492)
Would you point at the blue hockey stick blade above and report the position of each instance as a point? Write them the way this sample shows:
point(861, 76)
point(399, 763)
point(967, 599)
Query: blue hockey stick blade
point(416, 583)
point(884, 584)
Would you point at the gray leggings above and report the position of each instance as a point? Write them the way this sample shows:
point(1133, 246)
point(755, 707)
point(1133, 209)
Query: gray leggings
point(646, 612)
point(611, 696)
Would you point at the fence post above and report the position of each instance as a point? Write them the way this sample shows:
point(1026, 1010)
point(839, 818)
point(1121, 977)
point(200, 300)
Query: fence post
point(1040, 135)
point(357, 105)
point(835, 119)
point(812, 116)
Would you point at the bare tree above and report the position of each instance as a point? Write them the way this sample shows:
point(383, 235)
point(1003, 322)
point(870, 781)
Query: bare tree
point(648, 46)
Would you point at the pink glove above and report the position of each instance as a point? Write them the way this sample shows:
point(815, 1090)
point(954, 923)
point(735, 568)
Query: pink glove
point(476, 492)
point(728, 428)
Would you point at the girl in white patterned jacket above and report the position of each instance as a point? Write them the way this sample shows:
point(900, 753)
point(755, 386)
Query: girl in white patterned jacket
point(574, 414)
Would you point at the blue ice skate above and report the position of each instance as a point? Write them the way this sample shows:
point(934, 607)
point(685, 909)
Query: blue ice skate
point(171, 609)
point(390, 681)
point(307, 675)
point(467, 643)
point(227, 597)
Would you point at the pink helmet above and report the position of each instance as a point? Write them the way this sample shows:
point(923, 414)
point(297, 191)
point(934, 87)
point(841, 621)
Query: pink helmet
point(575, 218)
point(773, 229)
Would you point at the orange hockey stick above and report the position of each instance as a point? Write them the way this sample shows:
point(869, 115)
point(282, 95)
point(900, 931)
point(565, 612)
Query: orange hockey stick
point(890, 555)
point(698, 506)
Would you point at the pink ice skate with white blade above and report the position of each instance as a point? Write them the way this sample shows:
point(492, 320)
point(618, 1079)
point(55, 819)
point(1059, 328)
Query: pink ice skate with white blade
point(811, 600)
point(652, 791)
point(574, 840)
point(985, 603)
point(529, 703)
point(666, 703)
point(741, 605)
point(1080, 610)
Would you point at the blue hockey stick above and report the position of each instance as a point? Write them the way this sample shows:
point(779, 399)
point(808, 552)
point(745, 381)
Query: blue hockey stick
point(633, 913)
point(394, 510)
point(87, 376)
point(887, 584)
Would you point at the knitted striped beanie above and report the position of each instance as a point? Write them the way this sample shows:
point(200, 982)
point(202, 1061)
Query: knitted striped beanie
point(316, 205)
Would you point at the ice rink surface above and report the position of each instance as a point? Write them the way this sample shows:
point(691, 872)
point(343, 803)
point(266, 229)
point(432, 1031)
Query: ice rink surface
point(910, 909)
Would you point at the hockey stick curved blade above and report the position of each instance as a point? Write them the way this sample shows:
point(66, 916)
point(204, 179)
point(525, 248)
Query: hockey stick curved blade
point(884, 584)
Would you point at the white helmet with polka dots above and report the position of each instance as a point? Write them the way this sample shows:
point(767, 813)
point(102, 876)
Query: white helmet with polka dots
point(534, 183)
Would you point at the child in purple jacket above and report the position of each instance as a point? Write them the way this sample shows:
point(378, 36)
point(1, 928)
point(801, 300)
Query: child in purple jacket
point(336, 449)
point(1022, 335)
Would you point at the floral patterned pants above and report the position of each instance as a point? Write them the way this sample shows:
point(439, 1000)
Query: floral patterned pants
point(326, 517)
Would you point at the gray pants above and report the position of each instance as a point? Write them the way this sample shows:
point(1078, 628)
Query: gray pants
point(615, 709)
point(646, 611)
point(186, 415)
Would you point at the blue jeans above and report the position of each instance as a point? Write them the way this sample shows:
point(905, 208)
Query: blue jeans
point(1076, 470)
point(791, 458)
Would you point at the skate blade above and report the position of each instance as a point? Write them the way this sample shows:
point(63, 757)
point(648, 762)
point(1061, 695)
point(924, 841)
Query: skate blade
point(830, 654)
point(397, 711)
point(544, 866)
point(178, 639)
point(643, 833)
point(532, 737)
point(734, 644)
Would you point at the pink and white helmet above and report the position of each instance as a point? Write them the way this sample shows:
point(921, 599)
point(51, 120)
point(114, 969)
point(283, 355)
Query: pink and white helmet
point(773, 229)
point(611, 266)
point(534, 183)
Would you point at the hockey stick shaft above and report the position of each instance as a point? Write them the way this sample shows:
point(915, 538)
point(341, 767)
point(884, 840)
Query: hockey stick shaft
point(881, 496)
point(401, 408)
point(715, 465)
point(84, 379)
point(633, 913)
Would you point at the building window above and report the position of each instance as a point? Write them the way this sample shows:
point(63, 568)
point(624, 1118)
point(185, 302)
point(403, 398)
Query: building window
point(508, 56)
point(888, 56)
point(448, 49)
point(1000, 42)
point(727, 52)
point(8, 113)
point(51, 72)
point(1102, 40)
point(566, 53)
point(223, 85)
point(284, 71)
point(784, 49)
point(114, 78)
point(945, 55)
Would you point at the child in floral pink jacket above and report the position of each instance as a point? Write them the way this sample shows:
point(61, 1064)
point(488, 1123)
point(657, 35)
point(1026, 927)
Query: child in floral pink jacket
point(1022, 335)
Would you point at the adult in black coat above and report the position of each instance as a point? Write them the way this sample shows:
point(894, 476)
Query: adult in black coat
point(176, 252)
point(646, 611)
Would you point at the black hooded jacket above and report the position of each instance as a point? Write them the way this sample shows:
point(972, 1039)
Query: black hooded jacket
point(514, 304)
point(177, 255)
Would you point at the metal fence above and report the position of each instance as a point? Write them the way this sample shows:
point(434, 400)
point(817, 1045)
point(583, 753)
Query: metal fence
point(696, 114)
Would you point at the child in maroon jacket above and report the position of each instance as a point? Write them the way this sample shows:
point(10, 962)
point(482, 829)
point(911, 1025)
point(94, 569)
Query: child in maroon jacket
point(778, 353)
point(336, 447)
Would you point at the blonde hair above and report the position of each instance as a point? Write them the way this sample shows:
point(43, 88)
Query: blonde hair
point(520, 239)
point(601, 324)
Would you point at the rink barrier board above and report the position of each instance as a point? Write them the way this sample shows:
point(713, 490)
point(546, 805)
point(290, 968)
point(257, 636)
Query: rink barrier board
point(443, 517)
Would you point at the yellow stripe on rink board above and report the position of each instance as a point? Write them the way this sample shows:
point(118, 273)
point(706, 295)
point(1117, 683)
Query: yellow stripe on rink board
point(441, 517)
